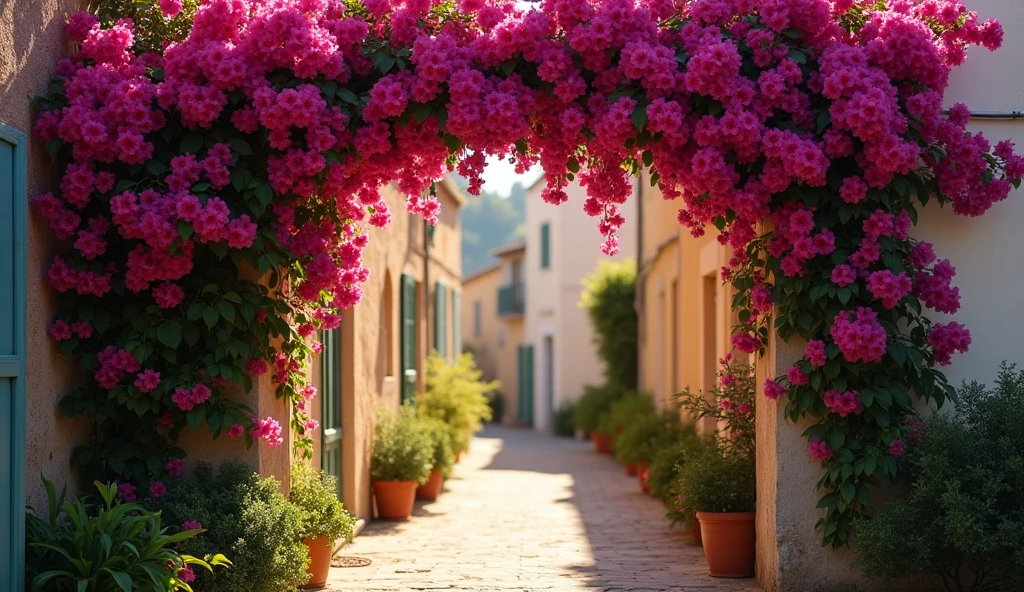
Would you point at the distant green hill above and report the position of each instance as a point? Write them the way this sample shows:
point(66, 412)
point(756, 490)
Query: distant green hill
point(490, 221)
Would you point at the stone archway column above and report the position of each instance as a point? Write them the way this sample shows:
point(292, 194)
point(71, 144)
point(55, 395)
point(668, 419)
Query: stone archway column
point(790, 557)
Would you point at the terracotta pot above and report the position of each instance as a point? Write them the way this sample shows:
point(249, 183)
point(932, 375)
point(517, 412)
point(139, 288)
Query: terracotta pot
point(602, 443)
point(631, 469)
point(695, 531)
point(641, 475)
point(728, 543)
point(432, 488)
point(458, 456)
point(395, 499)
point(320, 551)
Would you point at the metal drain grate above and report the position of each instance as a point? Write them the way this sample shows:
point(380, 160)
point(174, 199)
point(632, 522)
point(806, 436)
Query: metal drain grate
point(349, 561)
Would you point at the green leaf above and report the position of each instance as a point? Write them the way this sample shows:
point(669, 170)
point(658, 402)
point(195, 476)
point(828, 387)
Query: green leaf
point(53, 146)
point(240, 146)
point(210, 315)
point(226, 310)
point(191, 143)
point(639, 117)
point(798, 56)
point(348, 96)
point(169, 334)
point(848, 490)
point(190, 333)
point(195, 417)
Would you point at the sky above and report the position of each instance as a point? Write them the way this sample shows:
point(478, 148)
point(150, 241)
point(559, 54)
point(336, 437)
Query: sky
point(500, 176)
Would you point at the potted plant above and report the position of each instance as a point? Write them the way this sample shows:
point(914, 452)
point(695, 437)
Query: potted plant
point(442, 458)
point(719, 485)
point(457, 395)
point(324, 519)
point(400, 462)
point(623, 414)
point(592, 406)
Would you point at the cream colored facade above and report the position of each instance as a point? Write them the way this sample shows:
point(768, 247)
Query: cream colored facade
point(683, 306)
point(492, 322)
point(564, 356)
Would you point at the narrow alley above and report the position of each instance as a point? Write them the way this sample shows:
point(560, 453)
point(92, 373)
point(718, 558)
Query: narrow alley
point(527, 511)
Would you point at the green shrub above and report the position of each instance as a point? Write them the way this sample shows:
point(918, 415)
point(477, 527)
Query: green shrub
point(668, 461)
point(625, 411)
point(961, 515)
point(562, 420)
point(457, 395)
point(402, 450)
point(496, 401)
point(594, 404)
point(315, 493)
point(442, 451)
point(245, 517)
point(608, 297)
point(643, 439)
point(717, 479)
point(107, 548)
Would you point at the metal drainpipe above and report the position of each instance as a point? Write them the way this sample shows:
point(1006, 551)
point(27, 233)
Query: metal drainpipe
point(426, 282)
point(638, 297)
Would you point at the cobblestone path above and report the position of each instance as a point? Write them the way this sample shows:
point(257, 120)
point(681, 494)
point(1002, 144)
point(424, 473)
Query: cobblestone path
point(525, 511)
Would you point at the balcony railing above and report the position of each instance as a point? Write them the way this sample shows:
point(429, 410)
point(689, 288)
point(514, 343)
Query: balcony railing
point(511, 299)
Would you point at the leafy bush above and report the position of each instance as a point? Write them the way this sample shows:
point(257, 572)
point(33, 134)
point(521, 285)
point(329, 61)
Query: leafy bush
point(595, 402)
point(731, 405)
point(112, 547)
point(961, 516)
point(562, 420)
point(608, 297)
point(626, 411)
point(650, 433)
point(457, 395)
point(668, 461)
point(496, 401)
point(249, 519)
point(717, 479)
point(442, 451)
point(402, 450)
point(315, 494)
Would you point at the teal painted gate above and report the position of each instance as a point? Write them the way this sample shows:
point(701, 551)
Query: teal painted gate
point(13, 199)
point(524, 365)
point(408, 333)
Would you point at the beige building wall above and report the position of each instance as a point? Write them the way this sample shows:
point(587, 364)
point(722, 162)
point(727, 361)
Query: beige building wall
point(986, 253)
point(565, 359)
point(494, 335)
point(371, 338)
point(31, 43)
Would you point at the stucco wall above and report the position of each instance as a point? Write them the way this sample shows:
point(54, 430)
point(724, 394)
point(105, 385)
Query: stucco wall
point(31, 42)
point(986, 253)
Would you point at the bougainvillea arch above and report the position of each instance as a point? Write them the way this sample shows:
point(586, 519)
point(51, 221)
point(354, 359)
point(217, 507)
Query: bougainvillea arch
point(218, 192)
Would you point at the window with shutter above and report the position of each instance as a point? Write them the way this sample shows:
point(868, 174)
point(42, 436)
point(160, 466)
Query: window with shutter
point(408, 328)
point(330, 401)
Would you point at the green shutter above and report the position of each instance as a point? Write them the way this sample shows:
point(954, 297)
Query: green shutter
point(13, 217)
point(330, 401)
point(456, 322)
point(545, 245)
point(408, 328)
point(524, 363)
point(441, 320)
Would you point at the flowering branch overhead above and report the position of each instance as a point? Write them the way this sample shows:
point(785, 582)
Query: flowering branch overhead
point(806, 131)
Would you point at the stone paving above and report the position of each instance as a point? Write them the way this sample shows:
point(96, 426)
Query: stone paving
point(525, 511)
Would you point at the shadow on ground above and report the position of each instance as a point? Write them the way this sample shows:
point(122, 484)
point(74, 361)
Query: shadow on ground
point(630, 538)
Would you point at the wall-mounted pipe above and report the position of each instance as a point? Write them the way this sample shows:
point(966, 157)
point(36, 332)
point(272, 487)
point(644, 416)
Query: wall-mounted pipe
point(998, 115)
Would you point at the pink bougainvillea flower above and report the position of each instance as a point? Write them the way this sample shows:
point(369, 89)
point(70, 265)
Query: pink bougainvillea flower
point(157, 489)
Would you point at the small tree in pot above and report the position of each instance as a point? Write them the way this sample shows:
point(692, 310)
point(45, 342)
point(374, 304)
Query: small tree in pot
point(442, 458)
point(324, 519)
point(401, 461)
point(719, 483)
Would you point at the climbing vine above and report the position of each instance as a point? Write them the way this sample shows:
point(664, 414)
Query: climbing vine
point(218, 192)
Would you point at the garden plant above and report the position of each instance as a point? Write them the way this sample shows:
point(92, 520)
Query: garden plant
point(457, 395)
point(244, 517)
point(608, 298)
point(960, 517)
point(218, 190)
point(109, 547)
